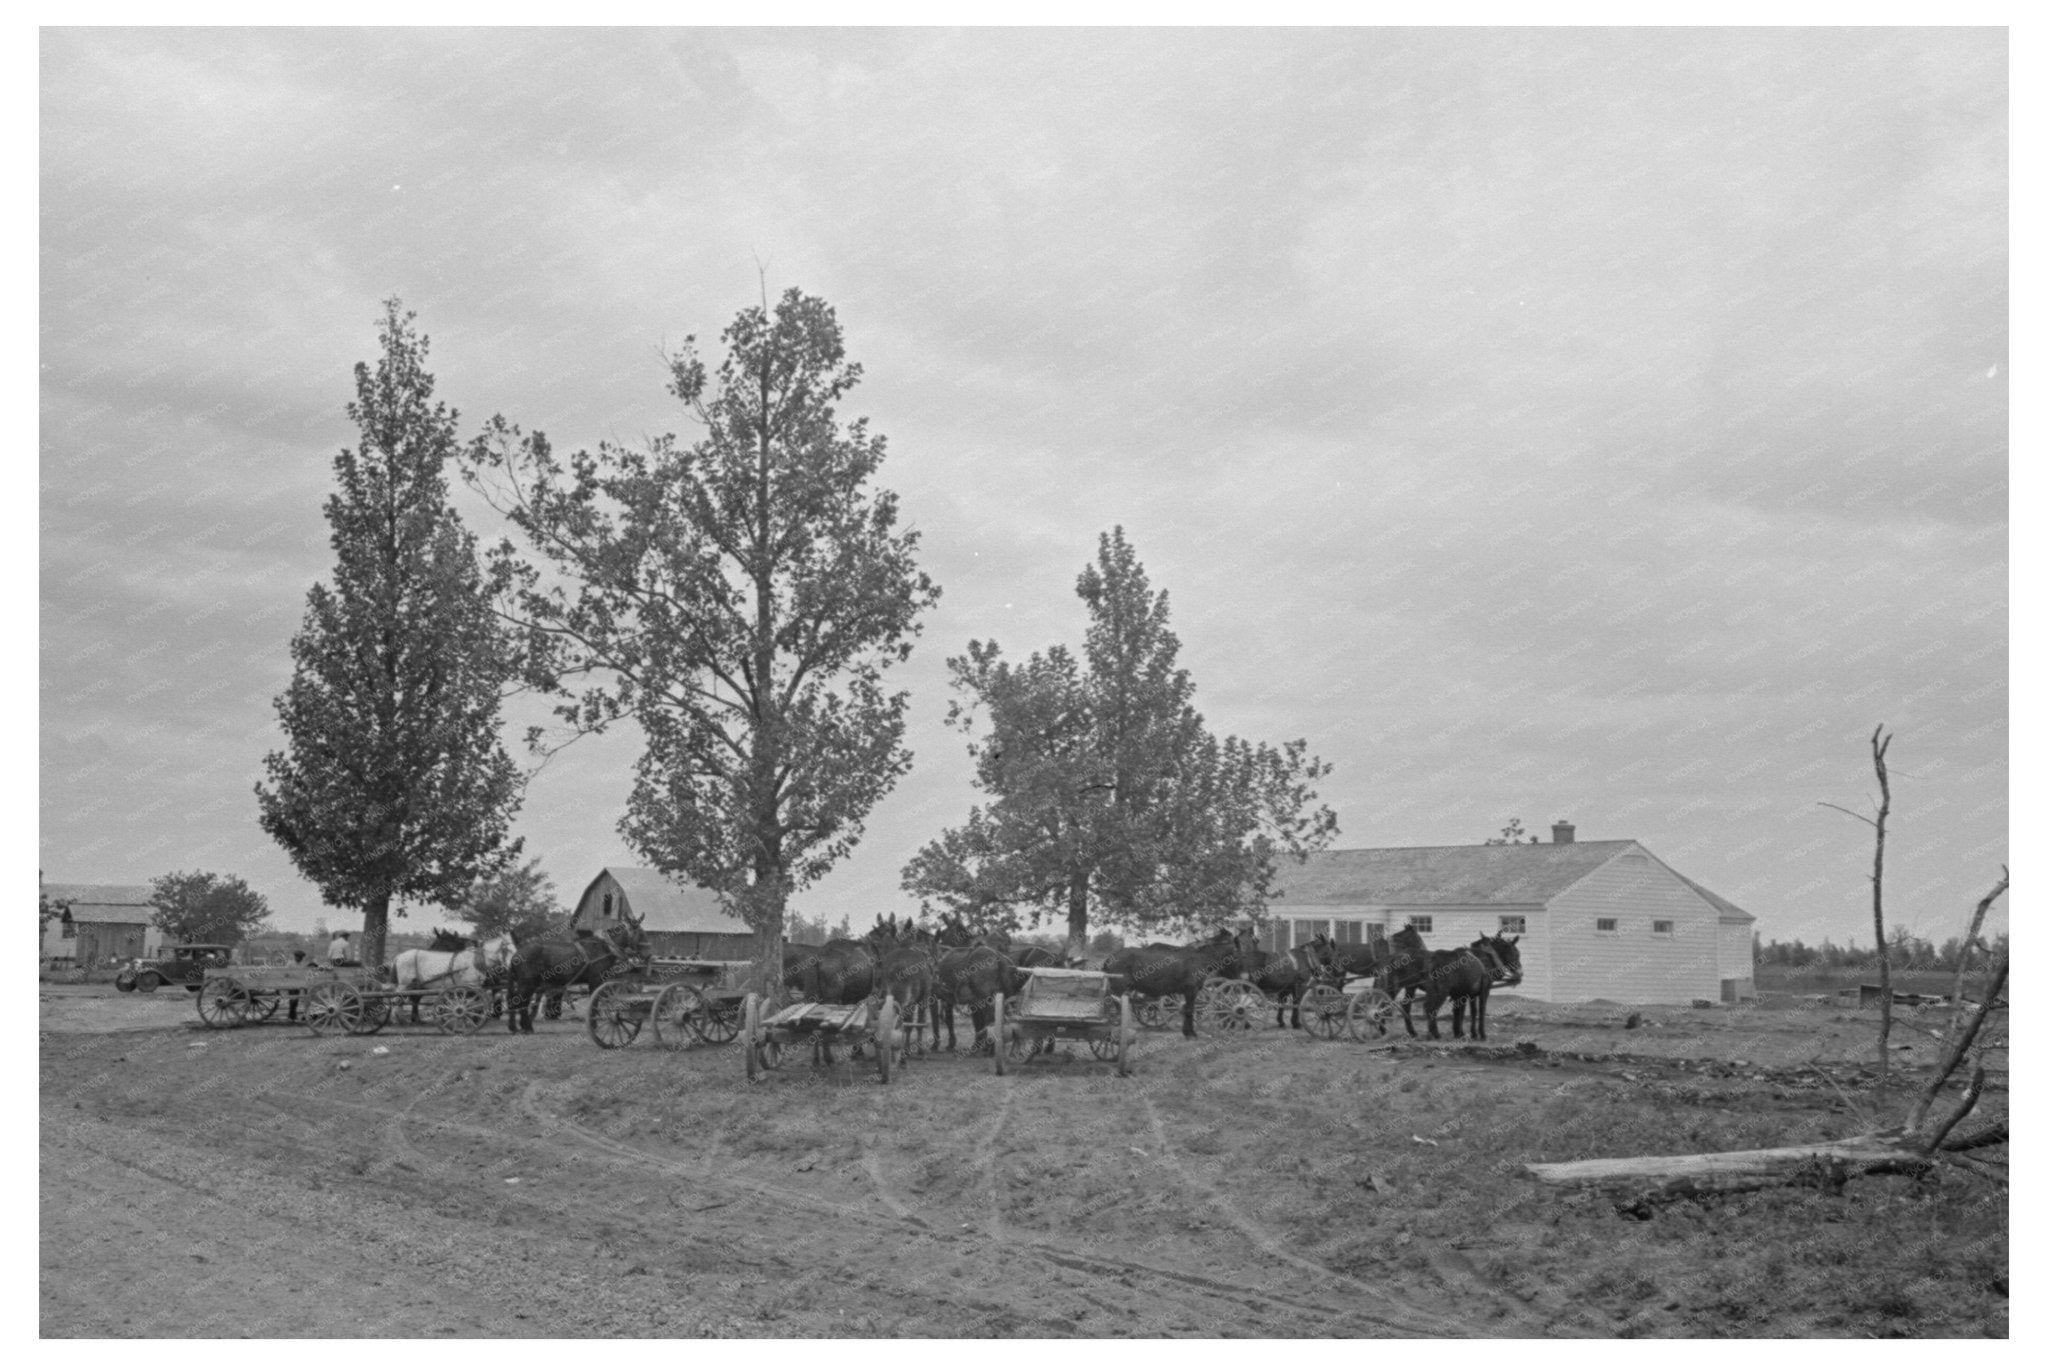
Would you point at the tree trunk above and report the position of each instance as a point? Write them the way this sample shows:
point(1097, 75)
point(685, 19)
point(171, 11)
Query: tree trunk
point(376, 924)
point(1077, 917)
point(1729, 1170)
point(1879, 742)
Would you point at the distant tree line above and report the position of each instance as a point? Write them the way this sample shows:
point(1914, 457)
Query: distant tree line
point(1909, 953)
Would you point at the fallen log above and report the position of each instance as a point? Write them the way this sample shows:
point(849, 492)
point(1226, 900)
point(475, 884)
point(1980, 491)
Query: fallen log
point(1734, 1171)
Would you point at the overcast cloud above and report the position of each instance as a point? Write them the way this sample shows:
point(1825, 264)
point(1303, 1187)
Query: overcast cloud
point(1586, 424)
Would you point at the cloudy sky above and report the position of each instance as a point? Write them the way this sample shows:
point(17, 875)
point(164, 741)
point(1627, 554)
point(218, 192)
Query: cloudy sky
point(1586, 424)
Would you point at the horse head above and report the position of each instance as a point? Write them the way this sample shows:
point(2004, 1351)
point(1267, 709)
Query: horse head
point(1503, 960)
point(448, 941)
point(951, 933)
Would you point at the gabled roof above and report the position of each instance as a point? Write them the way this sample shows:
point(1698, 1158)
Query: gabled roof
point(1731, 913)
point(1460, 874)
point(103, 902)
point(666, 908)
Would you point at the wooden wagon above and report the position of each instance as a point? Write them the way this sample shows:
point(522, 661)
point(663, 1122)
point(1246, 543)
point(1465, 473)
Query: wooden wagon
point(826, 1029)
point(1059, 1002)
point(686, 1000)
point(333, 1000)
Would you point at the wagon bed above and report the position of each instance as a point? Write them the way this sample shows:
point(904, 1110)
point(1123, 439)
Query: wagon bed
point(1062, 1002)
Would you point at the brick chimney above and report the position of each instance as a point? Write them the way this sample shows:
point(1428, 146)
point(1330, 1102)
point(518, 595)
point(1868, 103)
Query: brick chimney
point(1561, 832)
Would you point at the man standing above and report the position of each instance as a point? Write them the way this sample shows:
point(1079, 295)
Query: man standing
point(339, 953)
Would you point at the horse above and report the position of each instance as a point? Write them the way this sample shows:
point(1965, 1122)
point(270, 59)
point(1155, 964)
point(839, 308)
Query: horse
point(905, 970)
point(839, 972)
point(550, 967)
point(1460, 975)
point(1285, 977)
point(1152, 972)
point(452, 961)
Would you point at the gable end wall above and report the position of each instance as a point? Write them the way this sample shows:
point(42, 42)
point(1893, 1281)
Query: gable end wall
point(1632, 965)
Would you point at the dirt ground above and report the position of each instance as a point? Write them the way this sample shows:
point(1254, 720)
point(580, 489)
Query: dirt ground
point(265, 1182)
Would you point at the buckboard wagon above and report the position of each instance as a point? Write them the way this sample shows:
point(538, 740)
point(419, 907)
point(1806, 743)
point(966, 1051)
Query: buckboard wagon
point(687, 1000)
point(332, 1000)
point(826, 1029)
point(1060, 1002)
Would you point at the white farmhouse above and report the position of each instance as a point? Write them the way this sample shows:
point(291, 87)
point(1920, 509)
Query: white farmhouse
point(1603, 919)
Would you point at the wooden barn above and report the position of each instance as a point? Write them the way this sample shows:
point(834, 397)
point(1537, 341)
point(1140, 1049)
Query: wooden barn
point(1602, 919)
point(680, 921)
point(105, 924)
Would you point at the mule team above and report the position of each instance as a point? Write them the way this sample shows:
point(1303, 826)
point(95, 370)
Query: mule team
point(931, 972)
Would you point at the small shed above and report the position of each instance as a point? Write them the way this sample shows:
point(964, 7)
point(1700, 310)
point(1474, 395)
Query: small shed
point(105, 923)
point(681, 921)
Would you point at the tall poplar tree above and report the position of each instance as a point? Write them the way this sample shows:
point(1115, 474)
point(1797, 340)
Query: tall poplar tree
point(1110, 798)
point(393, 785)
point(739, 598)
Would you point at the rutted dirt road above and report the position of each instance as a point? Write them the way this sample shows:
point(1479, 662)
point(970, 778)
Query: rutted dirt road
point(274, 1183)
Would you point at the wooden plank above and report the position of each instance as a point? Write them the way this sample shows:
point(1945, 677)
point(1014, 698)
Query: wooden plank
point(1705, 1170)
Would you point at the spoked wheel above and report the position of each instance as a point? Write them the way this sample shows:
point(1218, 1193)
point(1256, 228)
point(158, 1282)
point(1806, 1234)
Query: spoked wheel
point(996, 1038)
point(886, 1041)
point(223, 1004)
point(461, 1009)
point(261, 1007)
point(611, 1019)
point(1325, 1011)
point(719, 1022)
point(763, 1053)
point(1231, 1007)
point(1370, 1015)
point(331, 1009)
point(911, 1029)
point(1158, 1012)
point(1112, 1044)
point(377, 1012)
point(677, 1016)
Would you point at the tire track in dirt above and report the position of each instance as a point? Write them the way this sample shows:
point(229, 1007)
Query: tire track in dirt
point(1385, 1309)
point(983, 1165)
point(1099, 1269)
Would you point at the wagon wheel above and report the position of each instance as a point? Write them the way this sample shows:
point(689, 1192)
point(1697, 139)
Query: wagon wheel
point(719, 1022)
point(1108, 1040)
point(611, 1020)
point(331, 1008)
point(1158, 1012)
point(223, 1003)
point(461, 1009)
point(886, 1041)
point(374, 1012)
point(763, 1052)
point(912, 1029)
point(551, 1006)
point(676, 1014)
point(1231, 1006)
point(1124, 1032)
point(1324, 1011)
point(997, 1037)
point(1370, 1015)
point(261, 1007)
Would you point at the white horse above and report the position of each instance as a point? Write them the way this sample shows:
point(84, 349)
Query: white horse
point(478, 966)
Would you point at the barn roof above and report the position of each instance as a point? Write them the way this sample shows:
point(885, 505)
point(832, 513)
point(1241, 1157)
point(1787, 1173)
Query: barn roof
point(666, 908)
point(103, 902)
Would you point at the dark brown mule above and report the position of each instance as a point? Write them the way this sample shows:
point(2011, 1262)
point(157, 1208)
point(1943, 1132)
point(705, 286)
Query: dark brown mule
point(1284, 977)
point(906, 970)
point(550, 967)
point(1461, 975)
point(1152, 972)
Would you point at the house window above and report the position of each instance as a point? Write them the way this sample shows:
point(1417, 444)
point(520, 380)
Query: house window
point(1375, 932)
point(607, 905)
point(1350, 931)
point(1514, 924)
point(1607, 926)
point(1276, 935)
point(1422, 924)
point(70, 928)
point(1660, 926)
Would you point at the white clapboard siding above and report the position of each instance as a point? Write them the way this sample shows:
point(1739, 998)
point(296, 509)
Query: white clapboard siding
point(1738, 959)
point(1633, 964)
